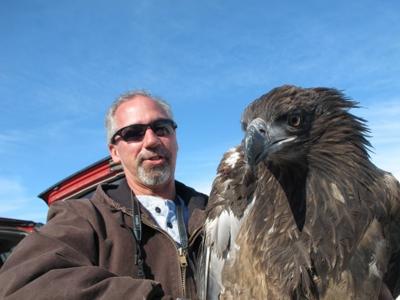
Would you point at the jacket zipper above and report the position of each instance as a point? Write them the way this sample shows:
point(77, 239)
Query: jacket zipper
point(183, 262)
point(181, 257)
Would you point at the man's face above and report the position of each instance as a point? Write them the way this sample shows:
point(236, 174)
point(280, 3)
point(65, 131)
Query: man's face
point(151, 161)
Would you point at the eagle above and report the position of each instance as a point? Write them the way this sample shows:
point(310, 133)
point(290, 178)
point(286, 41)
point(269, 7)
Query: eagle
point(298, 210)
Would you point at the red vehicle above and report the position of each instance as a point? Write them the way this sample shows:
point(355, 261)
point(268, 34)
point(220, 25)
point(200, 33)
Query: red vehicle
point(81, 184)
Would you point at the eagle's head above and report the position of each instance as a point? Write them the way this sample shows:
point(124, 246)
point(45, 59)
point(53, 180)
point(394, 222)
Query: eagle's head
point(288, 124)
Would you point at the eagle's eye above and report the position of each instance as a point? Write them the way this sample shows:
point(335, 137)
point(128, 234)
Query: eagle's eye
point(294, 120)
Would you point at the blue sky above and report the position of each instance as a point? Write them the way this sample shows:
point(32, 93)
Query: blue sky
point(63, 62)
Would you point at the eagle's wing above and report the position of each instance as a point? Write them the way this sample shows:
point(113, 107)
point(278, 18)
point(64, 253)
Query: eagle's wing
point(229, 198)
point(392, 230)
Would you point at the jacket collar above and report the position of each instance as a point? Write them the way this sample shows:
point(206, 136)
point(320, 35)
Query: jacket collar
point(118, 197)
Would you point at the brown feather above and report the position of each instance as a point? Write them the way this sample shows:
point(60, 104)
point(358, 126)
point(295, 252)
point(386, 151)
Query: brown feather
point(325, 221)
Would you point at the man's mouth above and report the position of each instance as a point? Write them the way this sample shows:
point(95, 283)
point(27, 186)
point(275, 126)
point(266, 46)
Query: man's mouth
point(156, 157)
point(155, 160)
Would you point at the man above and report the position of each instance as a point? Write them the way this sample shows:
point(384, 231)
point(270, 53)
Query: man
point(137, 240)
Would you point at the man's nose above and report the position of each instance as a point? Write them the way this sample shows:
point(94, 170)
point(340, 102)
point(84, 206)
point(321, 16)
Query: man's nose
point(150, 139)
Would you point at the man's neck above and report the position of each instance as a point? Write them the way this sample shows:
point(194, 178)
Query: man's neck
point(166, 191)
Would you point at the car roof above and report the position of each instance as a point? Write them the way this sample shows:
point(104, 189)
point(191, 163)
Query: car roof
point(18, 225)
point(15, 222)
point(83, 182)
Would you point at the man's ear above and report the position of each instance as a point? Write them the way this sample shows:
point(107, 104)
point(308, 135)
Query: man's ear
point(114, 153)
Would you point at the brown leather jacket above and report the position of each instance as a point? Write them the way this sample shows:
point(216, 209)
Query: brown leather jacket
point(87, 251)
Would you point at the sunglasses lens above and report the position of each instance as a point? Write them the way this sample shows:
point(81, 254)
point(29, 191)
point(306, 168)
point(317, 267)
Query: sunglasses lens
point(163, 127)
point(133, 133)
point(136, 132)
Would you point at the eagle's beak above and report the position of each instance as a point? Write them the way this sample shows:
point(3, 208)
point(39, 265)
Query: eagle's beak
point(255, 140)
point(263, 139)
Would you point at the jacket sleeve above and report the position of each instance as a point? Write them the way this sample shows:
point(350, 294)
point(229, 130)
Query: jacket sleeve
point(59, 262)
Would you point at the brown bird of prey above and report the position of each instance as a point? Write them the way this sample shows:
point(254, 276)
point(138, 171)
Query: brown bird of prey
point(298, 211)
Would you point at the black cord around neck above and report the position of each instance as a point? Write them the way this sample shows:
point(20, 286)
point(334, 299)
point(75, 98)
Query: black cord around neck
point(137, 234)
point(181, 223)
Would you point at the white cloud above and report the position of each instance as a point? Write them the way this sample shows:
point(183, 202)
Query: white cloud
point(202, 186)
point(16, 203)
point(8, 139)
point(388, 160)
point(382, 118)
point(378, 109)
point(12, 195)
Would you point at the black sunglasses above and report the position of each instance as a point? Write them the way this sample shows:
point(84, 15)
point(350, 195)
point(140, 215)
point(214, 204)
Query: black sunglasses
point(136, 132)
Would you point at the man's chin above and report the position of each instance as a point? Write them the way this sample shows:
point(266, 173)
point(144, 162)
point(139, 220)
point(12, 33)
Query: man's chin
point(154, 176)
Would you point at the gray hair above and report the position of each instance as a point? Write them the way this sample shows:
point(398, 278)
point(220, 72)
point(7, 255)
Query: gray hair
point(110, 125)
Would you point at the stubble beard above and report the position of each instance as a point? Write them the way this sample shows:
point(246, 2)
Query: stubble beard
point(154, 176)
point(157, 175)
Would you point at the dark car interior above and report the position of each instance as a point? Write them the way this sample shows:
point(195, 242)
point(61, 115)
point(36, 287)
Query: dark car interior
point(9, 238)
point(12, 231)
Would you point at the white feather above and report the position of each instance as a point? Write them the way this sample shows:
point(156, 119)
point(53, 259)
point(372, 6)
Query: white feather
point(233, 158)
point(221, 233)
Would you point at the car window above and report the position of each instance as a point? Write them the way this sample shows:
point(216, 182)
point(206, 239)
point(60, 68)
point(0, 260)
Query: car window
point(9, 238)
